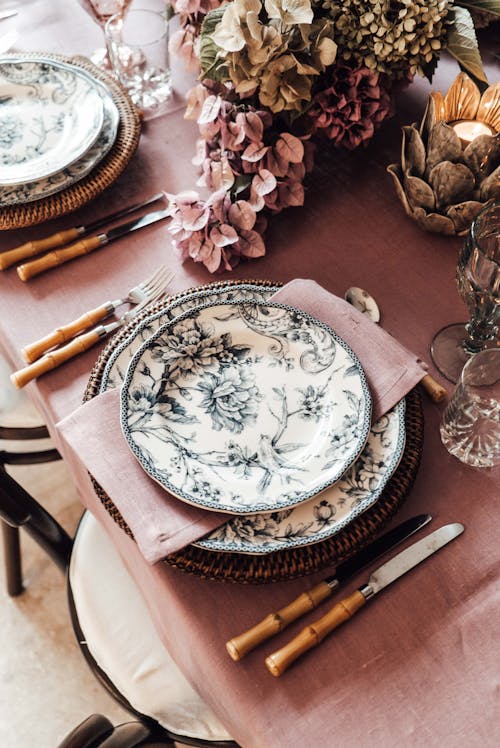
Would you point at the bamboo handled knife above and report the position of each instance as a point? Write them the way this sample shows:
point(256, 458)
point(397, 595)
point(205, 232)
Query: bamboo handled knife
point(274, 623)
point(61, 238)
point(85, 246)
point(278, 662)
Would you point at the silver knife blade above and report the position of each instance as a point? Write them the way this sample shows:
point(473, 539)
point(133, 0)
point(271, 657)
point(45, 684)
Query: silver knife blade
point(412, 556)
point(7, 14)
point(138, 223)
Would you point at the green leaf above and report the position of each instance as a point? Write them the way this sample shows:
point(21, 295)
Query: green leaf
point(211, 64)
point(462, 43)
point(490, 6)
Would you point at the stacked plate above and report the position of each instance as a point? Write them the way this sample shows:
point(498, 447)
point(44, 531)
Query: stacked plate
point(237, 404)
point(57, 122)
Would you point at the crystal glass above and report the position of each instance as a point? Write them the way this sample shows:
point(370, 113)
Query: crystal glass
point(101, 11)
point(138, 47)
point(478, 277)
point(470, 428)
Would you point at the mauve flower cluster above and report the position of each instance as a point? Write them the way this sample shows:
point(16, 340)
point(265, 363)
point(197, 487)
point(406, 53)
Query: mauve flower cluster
point(353, 103)
point(217, 231)
point(241, 141)
point(248, 165)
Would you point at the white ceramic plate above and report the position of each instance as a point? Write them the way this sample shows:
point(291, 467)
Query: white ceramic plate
point(42, 188)
point(245, 407)
point(50, 115)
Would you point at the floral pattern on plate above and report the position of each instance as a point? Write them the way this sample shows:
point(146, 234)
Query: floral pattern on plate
point(42, 188)
point(245, 407)
point(118, 361)
point(325, 514)
point(50, 115)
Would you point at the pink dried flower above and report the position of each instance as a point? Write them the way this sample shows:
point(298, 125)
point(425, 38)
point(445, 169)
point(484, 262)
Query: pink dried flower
point(216, 232)
point(353, 104)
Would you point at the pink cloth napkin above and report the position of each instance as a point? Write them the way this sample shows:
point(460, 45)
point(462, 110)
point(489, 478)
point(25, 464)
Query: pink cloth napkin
point(161, 523)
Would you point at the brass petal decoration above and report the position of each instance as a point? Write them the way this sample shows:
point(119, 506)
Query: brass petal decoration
point(443, 183)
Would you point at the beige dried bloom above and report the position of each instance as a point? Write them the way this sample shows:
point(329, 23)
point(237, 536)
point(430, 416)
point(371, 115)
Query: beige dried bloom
point(282, 85)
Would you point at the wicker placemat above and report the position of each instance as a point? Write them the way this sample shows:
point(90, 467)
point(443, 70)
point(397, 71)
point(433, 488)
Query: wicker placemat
point(296, 562)
point(105, 172)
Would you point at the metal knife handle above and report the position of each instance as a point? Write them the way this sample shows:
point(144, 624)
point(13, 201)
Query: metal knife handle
point(62, 334)
point(30, 249)
point(60, 256)
point(314, 634)
point(272, 624)
point(52, 360)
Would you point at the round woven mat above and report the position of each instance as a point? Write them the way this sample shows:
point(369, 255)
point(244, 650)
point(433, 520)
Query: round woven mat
point(295, 562)
point(104, 173)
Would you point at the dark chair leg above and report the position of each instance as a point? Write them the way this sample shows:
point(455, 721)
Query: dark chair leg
point(12, 556)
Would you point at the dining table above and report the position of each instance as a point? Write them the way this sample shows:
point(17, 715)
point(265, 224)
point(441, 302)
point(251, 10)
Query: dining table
point(420, 665)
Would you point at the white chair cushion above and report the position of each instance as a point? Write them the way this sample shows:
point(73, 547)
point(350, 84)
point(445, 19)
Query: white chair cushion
point(124, 642)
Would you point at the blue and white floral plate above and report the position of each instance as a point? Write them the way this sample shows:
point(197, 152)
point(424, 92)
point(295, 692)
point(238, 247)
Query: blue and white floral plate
point(329, 512)
point(42, 188)
point(50, 115)
point(245, 407)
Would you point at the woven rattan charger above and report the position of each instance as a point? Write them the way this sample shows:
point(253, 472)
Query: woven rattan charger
point(296, 562)
point(104, 173)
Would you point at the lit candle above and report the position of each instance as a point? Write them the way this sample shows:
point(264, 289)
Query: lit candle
point(469, 129)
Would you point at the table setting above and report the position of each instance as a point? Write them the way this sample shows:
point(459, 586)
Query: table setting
point(251, 440)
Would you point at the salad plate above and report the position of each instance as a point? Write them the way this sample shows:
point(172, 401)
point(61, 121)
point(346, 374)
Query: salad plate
point(50, 115)
point(42, 188)
point(245, 407)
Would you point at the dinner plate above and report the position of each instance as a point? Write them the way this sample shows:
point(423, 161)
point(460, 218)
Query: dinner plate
point(50, 115)
point(245, 407)
point(326, 514)
point(41, 188)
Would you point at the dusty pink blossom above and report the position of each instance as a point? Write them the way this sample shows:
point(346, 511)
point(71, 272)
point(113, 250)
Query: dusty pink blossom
point(352, 105)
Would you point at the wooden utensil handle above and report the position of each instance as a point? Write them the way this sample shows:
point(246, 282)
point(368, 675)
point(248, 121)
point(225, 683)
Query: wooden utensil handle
point(272, 624)
point(56, 358)
point(66, 332)
point(30, 249)
point(59, 256)
point(436, 392)
point(314, 634)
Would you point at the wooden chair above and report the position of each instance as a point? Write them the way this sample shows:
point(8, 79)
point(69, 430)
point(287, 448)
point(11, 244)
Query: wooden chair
point(98, 732)
point(11, 542)
point(115, 634)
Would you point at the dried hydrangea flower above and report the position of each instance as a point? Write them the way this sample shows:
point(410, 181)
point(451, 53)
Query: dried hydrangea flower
point(390, 37)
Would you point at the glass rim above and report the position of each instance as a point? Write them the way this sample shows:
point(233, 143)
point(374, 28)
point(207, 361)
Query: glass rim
point(477, 222)
point(118, 18)
point(492, 352)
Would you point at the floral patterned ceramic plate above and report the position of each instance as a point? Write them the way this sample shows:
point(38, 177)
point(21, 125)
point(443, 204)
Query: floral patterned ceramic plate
point(326, 514)
point(41, 188)
point(50, 115)
point(245, 407)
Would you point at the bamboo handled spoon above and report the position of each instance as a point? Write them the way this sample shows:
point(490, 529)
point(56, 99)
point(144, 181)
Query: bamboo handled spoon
point(366, 304)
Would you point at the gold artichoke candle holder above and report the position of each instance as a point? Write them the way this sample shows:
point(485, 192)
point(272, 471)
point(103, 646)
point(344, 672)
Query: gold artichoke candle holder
point(450, 165)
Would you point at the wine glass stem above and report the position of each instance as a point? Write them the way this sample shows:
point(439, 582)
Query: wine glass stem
point(479, 334)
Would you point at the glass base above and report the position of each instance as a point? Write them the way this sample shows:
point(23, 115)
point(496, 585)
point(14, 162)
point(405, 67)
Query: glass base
point(447, 351)
point(100, 58)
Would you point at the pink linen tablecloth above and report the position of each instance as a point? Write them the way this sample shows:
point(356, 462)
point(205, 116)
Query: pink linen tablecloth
point(419, 667)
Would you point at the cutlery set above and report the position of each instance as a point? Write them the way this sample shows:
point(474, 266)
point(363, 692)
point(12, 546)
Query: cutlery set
point(142, 295)
point(311, 636)
point(63, 250)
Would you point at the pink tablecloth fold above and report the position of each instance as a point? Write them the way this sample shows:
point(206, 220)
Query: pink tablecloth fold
point(161, 523)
